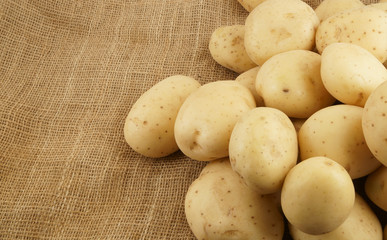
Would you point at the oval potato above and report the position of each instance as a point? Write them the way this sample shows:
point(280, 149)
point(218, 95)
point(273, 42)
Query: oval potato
point(329, 8)
point(247, 79)
point(249, 5)
point(375, 187)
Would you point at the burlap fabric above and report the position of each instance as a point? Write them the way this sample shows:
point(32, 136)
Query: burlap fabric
point(69, 74)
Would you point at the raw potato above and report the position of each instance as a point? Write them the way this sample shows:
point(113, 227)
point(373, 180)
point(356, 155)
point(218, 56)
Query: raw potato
point(205, 121)
point(375, 187)
point(277, 26)
point(317, 195)
point(291, 82)
point(263, 148)
point(249, 5)
point(350, 73)
point(336, 132)
point(149, 126)
point(218, 205)
point(366, 27)
point(247, 79)
point(374, 123)
point(228, 49)
point(329, 8)
point(362, 223)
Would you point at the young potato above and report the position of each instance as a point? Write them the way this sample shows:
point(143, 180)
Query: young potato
point(277, 26)
point(365, 26)
point(329, 8)
point(149, 126)
point(228, 49)
point(362, 223)
point(375, 187)
point(317, 195)
point(350, 73)
point(263, 148)
point(374, 123)
point(291, 82)
point(218, 205)
point(249, 5)
point(205, 120)
point(336, 132)
point(247, 79)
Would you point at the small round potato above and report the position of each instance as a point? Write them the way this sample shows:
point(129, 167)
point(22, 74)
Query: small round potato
point(291, 82)
point(374, 122)
point(277, 26)
point(365, 26)
point(247, 79)
point(263, 148)
point(205, 120)
point(350, 73)
point(149, 126)
point(362, 223)
point(228, 49)
point(317, 196)
point(218, 205)
point(249, 5)
point(336, 132)
point(329, 8)
point(375, 187)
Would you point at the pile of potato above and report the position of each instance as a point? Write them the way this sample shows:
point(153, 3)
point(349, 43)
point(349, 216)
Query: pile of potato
point(306, 116)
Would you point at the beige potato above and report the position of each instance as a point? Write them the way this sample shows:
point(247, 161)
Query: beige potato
point(317, 195)
point(366, 27)
point(277, 26)
point(247, 79)
point(205, 120)
point(375, 187)
point(228, 49)
point(291, 82)
point(350, 73)
point(374, 123)
point(249, 5)
point(149, 126)
point(362, 223)
point(329, 8)
point(218, 205)
point(336, 132)
point(263, 148)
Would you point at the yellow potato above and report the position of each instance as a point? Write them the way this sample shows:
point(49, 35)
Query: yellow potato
point(362, 223)
point(218, 205)
point(350, 73)
point(263, 148)
point(247, 79)
point(227, 48)
point(205, 120)
point(291, 82)
point(365, 26)
point(336, 132)
point(149, 126)
point(249, 5)
point(329, 8)
point(317, 195)
point(375, 187)
point(277, 26)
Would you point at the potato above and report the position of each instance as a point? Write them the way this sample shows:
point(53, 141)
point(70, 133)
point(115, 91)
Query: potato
point(374, 123)
point(375, 187)
point(228, 49)
point(249, 5)
point(317, 195)
point(263, 148)
point(366, 27)
point(336, 132)
point(149, 126)
point(362, 223)
point(291, 82)
point(277, 26)
point(218, 205)
point(329, 8)
point(350, 73)
point(205, 120)
point(247, 79)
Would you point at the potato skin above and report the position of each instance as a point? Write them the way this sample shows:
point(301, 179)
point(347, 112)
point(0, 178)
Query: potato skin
point(247, 79)
point(329, 8)
point(375, 187)
point(218, 205)
point(317, 195)
point(249, 5)
point(263, 148)
point(149, 125)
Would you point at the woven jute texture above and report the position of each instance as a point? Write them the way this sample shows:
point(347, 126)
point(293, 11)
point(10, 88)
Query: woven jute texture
point(69, 73)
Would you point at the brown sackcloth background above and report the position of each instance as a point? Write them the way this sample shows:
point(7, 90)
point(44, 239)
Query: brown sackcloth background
point(69, 73)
